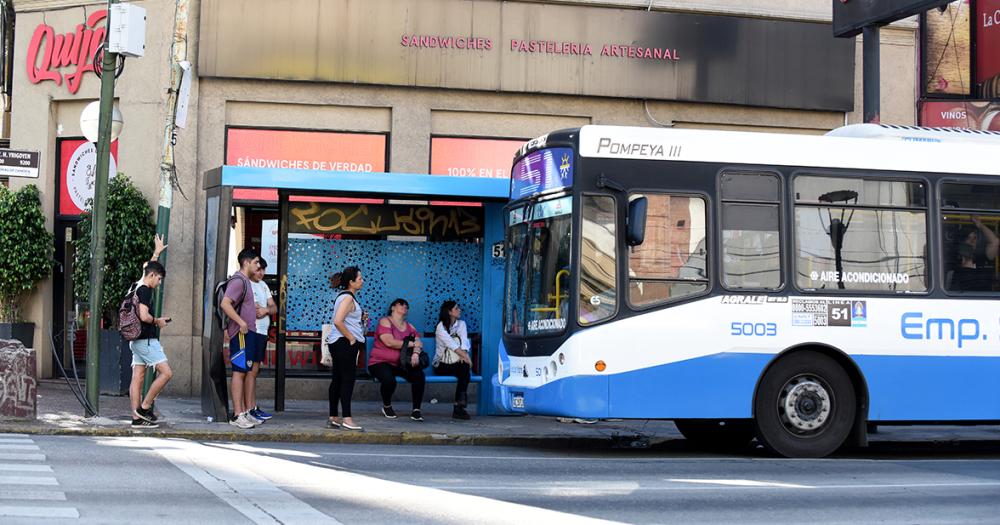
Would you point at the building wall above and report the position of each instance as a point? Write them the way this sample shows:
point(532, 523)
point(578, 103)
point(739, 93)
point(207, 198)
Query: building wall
point(410, 116)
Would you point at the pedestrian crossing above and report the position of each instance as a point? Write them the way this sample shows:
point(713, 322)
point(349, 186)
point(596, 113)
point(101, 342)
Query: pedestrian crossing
point(27, 484)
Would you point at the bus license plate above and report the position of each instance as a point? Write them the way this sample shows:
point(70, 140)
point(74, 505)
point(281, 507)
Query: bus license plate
point(518, 401)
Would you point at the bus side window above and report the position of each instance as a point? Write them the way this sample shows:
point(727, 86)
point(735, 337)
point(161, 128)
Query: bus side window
point(598, 296)
point(751, 247)
point(671, 263)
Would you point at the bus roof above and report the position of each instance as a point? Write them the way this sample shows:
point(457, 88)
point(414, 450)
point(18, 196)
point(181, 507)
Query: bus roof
point(981, 156)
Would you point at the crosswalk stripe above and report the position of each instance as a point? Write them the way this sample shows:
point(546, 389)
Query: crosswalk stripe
point(32, 494)
point(16, 441)
point(39, 512)
point(27, 480)
point(5, 448)
point(7, 435)
point(24, 467)
point(16, 456)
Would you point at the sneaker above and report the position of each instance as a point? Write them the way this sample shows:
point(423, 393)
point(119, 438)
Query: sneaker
point(146, 414)
point(348, 426)
point(142, 423)
point(388, 412)
point(332, 424)
point(253, 419)
point(416, 416)
point(242, 421)
point(260, 414)
point(460, 413)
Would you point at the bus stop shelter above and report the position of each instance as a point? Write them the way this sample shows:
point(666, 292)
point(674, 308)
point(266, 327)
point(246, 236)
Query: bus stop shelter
point(423, 237)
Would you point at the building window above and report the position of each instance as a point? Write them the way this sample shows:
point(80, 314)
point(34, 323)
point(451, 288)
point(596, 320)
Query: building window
point(751, 244)
point(969, 229)
point(671, 263)
point(861, 235)
point(598, 264)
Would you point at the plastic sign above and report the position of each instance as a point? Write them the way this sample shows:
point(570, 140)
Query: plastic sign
point(14, 163)
point(69, 56)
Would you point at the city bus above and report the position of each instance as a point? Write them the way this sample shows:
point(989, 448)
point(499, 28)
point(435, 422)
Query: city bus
point(795, 289)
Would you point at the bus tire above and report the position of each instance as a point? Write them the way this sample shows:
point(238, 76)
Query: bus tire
point(805, 406)
point(716, 434)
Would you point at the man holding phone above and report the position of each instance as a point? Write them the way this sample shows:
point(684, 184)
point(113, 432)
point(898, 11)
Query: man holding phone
point(146, 349)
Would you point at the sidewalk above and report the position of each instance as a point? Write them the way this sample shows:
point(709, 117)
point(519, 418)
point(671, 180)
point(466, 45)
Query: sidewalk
point(59, 413)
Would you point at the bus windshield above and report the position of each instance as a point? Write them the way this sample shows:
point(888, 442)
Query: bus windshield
point(537, 297)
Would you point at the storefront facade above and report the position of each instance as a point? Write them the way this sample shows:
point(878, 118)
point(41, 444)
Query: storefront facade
point(447, 87)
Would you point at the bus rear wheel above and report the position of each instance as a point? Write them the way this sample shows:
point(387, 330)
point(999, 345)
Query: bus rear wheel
point(715, 434)
point(805, 406)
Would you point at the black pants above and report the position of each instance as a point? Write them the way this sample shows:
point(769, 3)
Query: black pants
point(386, 376)
point(461, 372)
point(345, 359)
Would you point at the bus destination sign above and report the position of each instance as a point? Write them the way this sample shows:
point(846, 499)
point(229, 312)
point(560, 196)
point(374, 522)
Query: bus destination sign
point(542, 171)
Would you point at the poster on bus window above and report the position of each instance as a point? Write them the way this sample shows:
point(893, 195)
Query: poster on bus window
point(77, 165)
point(970, 114)
point(987, 22)
point(947, 50)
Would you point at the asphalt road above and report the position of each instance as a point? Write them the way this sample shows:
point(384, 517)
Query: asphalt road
point(153, 480)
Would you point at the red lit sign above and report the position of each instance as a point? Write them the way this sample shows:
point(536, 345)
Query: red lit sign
point(48, 52)
point(77, 165)
point(988, 43)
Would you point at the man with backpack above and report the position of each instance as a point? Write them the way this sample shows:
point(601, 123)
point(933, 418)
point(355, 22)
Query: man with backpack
point(146, 349)
point(241, 310)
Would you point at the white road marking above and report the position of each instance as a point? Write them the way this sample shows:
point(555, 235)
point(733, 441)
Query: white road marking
point(32, 494)
point(21, 456)
point(16, 441)
point(256, 494)
point(742, 483)
point(24, 467)
point(4, 435)
point(39, 512)
point(8, 448)
point(27, 480)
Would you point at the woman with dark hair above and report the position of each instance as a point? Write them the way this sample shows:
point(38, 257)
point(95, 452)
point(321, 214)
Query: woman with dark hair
point(392, 335)
point(345, 341)
point(451, 355)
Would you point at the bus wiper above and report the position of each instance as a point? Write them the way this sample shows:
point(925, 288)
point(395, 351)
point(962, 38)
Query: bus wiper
point(604, 182)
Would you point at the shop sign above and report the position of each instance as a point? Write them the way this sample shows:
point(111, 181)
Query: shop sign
point(533, 47)
point(438, 222)
point(486, 158)
point(77, 165)
point(68, 56)
point(302, 150)
point(14, 163)
point(972, 114)
point(988, 46)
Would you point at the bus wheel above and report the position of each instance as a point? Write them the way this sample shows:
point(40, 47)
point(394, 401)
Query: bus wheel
point(805, 406)
point(715, 434)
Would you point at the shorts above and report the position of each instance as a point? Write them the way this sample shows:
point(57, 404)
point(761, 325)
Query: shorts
point(245, 350)
point(147, 352)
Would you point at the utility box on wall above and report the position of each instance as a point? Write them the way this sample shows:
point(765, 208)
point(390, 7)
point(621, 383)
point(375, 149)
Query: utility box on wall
point(127, 30)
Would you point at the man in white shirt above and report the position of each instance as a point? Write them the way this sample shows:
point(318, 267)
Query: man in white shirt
point(265, 309)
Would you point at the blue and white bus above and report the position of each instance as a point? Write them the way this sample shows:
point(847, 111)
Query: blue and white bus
point(796, 289)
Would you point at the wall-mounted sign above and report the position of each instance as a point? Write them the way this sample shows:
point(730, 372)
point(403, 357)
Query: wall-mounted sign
point(532, 47)
point(947, 50)
point(14, 163)
point(57, 57)
point(541, 171)
point(304, 150)
point(488, 158)
point(77, 165)
point(437, 222)
point(971, 114)
point(987, 22)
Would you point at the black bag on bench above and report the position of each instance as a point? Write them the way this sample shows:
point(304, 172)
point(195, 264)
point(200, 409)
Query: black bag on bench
point(407, 351)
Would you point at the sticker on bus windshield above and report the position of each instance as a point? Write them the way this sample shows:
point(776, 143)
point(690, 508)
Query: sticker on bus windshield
point(829, 312)
point(542, 171)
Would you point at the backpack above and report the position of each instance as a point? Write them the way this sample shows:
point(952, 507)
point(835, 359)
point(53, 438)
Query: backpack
point(220, 292)
point(129, 323)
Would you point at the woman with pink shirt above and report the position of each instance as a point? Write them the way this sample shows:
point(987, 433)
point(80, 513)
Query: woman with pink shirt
point(391, 335)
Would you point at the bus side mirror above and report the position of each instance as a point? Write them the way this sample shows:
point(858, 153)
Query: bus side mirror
point(636, 227)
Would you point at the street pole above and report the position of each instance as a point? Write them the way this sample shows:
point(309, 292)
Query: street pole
point(98, 221)
point(167, 169)
point(870, 74)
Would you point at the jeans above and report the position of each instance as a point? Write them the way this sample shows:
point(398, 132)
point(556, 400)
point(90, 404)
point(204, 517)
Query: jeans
point(386, 376)
point(461, 372)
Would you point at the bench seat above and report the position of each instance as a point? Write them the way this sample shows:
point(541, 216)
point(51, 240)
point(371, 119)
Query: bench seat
point(429, 347)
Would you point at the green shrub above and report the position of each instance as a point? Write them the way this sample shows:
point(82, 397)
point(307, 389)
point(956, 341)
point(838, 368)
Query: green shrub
point(26, 248)
point(128, 242)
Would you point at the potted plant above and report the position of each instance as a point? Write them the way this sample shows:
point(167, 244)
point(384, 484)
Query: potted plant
point(128, 242)
point(26, 248)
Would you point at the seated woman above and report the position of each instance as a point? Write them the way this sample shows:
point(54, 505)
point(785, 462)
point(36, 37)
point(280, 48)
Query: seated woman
point(392, 333)
point(451, 356)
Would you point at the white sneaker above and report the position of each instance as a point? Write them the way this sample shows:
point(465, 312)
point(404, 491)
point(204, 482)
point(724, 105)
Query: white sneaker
point(252, 418)
point(242, 421)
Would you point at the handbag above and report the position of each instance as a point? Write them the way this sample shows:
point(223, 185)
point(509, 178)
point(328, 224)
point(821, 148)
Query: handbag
point(407, 351)
point(326, 358)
